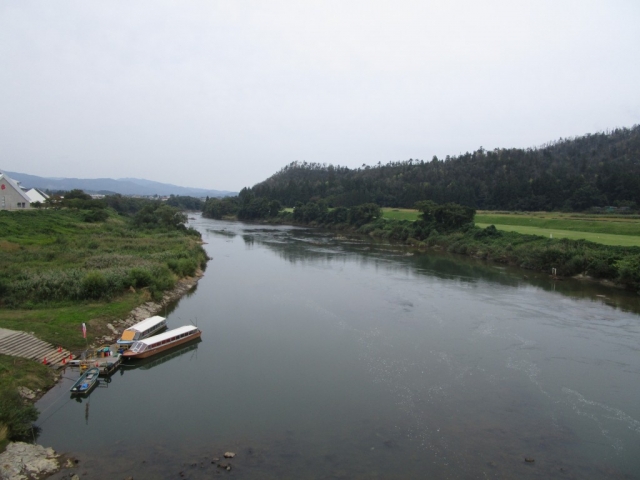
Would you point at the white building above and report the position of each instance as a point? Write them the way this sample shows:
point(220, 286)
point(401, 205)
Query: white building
point(36, 195)
point(14, 197)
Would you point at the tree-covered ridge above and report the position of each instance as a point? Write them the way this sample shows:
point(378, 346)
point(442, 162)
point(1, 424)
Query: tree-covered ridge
point(593, 170)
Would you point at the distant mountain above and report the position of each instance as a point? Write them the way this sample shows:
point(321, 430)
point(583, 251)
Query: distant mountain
point(124, 186)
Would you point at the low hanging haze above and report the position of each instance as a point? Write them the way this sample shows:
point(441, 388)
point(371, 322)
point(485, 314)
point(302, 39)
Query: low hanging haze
point(222, 94)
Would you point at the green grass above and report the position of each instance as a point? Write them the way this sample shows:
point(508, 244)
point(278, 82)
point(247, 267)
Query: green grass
point(603, 238)
point(19, 372)
point(59, 271)
point(62, 325)
point(578, 223)
point(400, 214)
point(603, 229)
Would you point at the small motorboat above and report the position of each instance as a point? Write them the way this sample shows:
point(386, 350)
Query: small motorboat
point(86, 382)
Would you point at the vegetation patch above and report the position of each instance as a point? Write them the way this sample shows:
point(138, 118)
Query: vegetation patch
point(16, 415)
point(65, 273)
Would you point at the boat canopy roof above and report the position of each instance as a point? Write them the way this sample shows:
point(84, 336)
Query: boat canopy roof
point(147, 323)
point(168, 335)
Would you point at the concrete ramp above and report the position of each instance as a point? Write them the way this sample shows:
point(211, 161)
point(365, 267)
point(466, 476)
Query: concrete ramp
point(21, 344)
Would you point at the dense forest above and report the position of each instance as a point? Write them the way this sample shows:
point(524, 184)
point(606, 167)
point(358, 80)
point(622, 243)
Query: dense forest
point(594, 170)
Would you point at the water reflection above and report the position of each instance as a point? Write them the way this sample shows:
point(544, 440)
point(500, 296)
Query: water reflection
point(313, 246)
point(335, 357)
point(160, 358)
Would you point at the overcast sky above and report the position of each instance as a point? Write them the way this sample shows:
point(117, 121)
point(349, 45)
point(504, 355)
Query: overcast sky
point(222, 94)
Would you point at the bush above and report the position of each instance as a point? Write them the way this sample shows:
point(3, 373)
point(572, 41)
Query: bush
point(163, 280)
point(91, 216)
point(94, 285)
point(16, 416)
point(183, 267)
point(629, 270)
point(139, 277)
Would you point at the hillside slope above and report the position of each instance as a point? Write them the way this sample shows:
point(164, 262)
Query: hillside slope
point(575, 174)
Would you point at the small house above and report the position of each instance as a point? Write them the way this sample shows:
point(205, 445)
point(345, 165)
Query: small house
point(12, 196)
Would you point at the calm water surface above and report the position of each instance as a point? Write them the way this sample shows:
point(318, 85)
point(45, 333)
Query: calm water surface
point(326, 357)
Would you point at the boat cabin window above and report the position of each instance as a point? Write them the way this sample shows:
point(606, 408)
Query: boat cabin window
point(139, 347)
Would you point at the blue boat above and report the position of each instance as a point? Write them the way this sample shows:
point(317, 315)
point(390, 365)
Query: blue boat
point(86, 382)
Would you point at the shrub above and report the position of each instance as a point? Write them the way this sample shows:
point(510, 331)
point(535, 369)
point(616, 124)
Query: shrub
point(16, 416)
point(91, 216)
point(140, 277)
point(629, 270)
point(183, 267)
point(94, 285)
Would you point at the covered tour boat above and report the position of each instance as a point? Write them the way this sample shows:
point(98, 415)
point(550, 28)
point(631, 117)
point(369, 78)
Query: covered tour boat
point(144, 329)
point(159, 343)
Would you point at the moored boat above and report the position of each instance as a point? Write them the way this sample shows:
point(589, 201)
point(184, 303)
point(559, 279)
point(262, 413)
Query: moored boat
point(86, 382)
point(143, 329)
point(158, 343)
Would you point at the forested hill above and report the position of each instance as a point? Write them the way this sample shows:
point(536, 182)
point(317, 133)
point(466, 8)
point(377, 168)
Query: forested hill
point(575, 174)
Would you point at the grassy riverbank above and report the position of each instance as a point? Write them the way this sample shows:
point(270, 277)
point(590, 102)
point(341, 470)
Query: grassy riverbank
point(15, 415)
point(615, 230)
point(61, 268)
point(450, 228)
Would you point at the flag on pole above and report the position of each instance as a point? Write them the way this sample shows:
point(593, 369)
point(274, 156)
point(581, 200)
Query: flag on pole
point(84, 330)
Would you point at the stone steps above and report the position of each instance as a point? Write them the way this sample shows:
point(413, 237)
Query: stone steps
point(21, 344)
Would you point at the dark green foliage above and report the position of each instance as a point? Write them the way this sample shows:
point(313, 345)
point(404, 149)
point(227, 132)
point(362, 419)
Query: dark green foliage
point(183, 267)
point(246, 206)
point(629, 270)
point(17, 416)
point(220, 207)
point(185, 202)
point(94, 285)
point(310, 212)
point(365, 213)
point(449, 216)
point(77, 194)
point(97, 215)
point(159, 215)
point(125, 205)
point(586, 172)
point(49, 257)
point(139, 277)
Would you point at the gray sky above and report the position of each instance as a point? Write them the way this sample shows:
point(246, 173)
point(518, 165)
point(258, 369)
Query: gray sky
point(222, 94)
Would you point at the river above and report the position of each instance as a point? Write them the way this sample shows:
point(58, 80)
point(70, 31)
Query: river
point(332, 357)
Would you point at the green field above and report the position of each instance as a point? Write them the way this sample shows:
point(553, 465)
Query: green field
point(604, 229)
point(603, 238)
point(400, 213)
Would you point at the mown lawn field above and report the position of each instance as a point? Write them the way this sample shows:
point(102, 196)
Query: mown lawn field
point(604, 229)
point(62, 325)
point(400, 213)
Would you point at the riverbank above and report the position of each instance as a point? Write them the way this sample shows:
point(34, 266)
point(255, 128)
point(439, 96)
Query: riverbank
point(25, 461)
point(352, 350)
point(610, 265)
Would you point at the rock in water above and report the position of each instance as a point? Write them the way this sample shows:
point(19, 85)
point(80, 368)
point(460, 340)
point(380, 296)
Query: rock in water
point(229, 454)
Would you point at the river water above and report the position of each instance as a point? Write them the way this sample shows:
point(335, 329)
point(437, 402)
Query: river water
point(328, 357)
